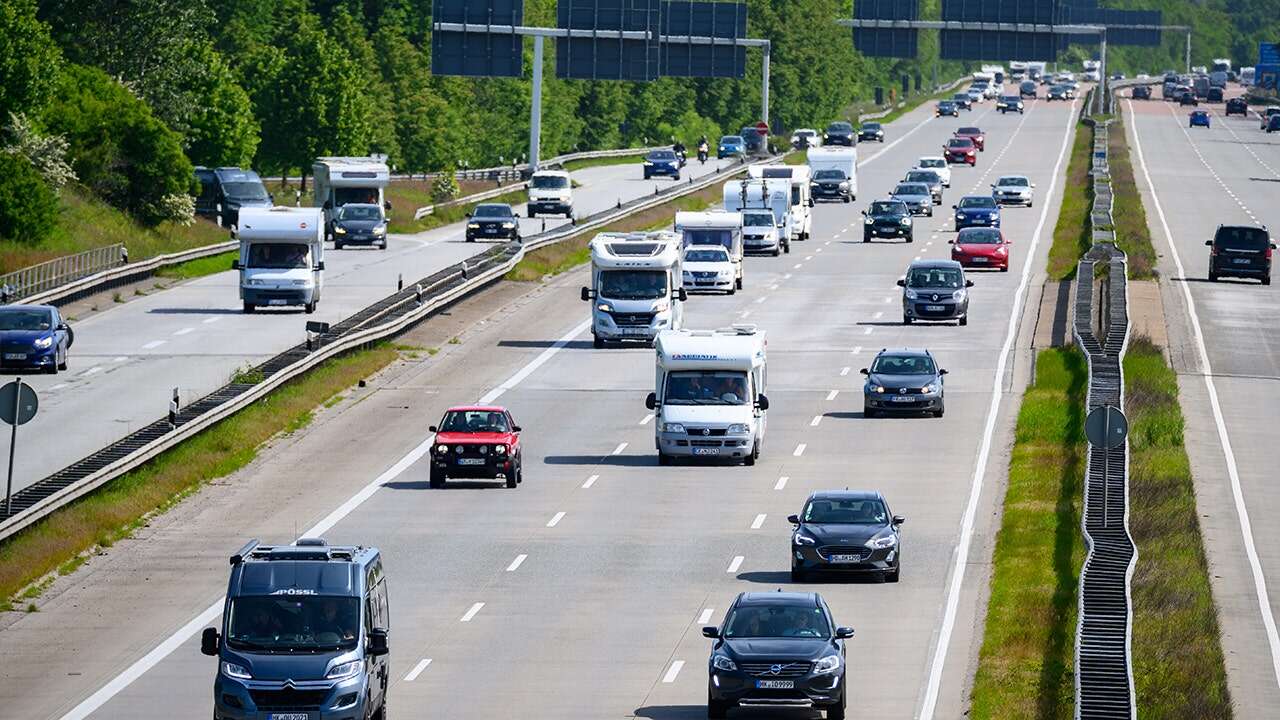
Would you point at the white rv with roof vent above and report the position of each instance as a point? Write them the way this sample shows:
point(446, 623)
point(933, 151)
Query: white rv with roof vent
point(636, 286)
point(751, 198)
point(281, 259)
point(715, 227)
point(342, 180)
point(801, 198)
point(709, 394)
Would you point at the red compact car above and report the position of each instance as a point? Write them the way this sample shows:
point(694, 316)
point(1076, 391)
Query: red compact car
point(978, 137)
point(960, 150)
point(477, 442)
point(981, 247)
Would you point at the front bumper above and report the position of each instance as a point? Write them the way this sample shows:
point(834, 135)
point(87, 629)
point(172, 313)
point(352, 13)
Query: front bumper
point(28, 357)
point(981, 261)
point(667, 170)
point(715, 282)
point(695, 444)
point(277, 296)
point(832, 191)
point(944, 308)
point(359, 238)
point(760, 243)
point(897, 230)
point(840, 559)
point(894, 402)
point(1244, 270)
point(493, 232)
point(490, 467)
point(961, 158)
point(741, 688)
point(871, 137)
point(643, 327)
point(976, 221)
point(1013, 198)
point(550, 206)
point(318, 700)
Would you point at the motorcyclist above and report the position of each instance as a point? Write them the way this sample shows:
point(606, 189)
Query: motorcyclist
point(703, 148)
point(679, 149)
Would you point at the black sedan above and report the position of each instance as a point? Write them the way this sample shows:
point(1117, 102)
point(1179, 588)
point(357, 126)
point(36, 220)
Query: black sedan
point(962, 101)
point(946, 107)
point(871, 132)
point(34, 337)
point(360, 224)
point(839, 133)
point(493, 221)
point(845, 531)
point(888, 219)
point(1238, 106)
point(903, 380)
point(1142, 92)
point(662, 162)
point(777, 649)
point(1058, 92)
point(1028, 89)
point(1188, 98)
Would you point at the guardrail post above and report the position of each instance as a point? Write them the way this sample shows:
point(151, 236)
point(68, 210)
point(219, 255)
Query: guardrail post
point(399, 282)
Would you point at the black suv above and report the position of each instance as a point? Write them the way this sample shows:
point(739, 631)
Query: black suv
point(1028, 88)
point(871, 132)
point(1240, 251)
point(887, 219)
point(846, 531)
point(777, 650)
point(840, 133)
point(1237, 106)
point(359, 224)
point(1142, 92)
point(493, 221)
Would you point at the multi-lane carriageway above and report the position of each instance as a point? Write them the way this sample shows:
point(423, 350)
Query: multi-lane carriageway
point(581, 594)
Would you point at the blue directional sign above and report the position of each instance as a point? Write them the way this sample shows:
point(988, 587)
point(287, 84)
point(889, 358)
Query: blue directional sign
point(1269, 53)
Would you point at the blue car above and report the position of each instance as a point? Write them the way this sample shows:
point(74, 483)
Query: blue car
point(662, 162)
point(731, 146)
point(977, 211)
point(1200, 118)
point(34, 337)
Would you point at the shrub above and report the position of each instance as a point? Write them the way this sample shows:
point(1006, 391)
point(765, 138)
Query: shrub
point(47, 153)
point(28, 206)
point(445, 186)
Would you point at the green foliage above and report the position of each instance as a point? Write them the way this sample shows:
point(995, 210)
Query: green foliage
point(223, 129)
point(445, 186)
point(29, 61)
point(48, 154)
point(28, 206)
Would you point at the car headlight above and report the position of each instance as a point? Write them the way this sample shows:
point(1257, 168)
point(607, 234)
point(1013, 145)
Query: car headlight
point(648, 164)
point(339, 231)
point(380, 230)
point(721, 662)
point(906, 221)
point(604, 307)
point(880, 543)
point(911, 294)
point(232, 670)
point(995, 216)
point(500, 449)
point(827, 665)
point(43, 342)
point(877, 389)
point(929, 389)
point(724, 273)
point(844, 186)
point(958, 295)
point(473, 226)
point(871, 221)
point(799, 537)
point(672, 428)
point(1001, 250)
point(345, 670)
point(254, 282)
point(442, 449)
point(959, 217)
point(662, 306)
point(738, 429)
point(508, 225)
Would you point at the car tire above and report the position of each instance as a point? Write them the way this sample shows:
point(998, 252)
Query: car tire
point(663, 459)
point(964, 320)
point(836, 712)
point(52, 369)
point(930, 213)
point(737, 284)
point(868, 412)
point(530, 213)
point(596, 342)
point(906, 319)
point(848, 199)
point(511, 481)
point(940, 412)
point(383, 246)
point(776, 252)
point(911, 238)
point(249, 308)
point(894, 575)
point(63, 365)
point(750, 459)
point(866, 238)
point(470, 239)
point(1266, 279)
point(730, 291)
point(337, 244)
point(309, 307)
point(798, 575)
point(437, 479)
point(676, 177)
point(717, 709)
point(1004, 268)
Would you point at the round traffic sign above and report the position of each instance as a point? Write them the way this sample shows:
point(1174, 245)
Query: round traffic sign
point(1106, 427)
point(27, 403)
point(763, 127)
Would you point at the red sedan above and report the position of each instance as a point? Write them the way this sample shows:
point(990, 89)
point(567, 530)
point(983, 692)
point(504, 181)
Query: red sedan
point(960, 150)
point(978, 137)
point(981, 247)
point(476, 442)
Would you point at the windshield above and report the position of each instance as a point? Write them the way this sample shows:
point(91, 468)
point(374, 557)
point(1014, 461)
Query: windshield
point(829, 175)
point(710, 255)
point(903, 365)
point(244, 190)
point(932, 163)
point(633, 284)
point(968, 131)
point(26, 319)
point(707, 387)
point(911, 189)
point(750, 133)
point(1242, 238)
point(935, 277)
point(777, 621)
point(1013, 182)
point(979, 236)
point(923, 177)
point(277, 256)
point(493, 211)
point(845, 511)
point(839, 127)
point(888, 208)
point(550, 182)
point(277, 623)
point(722, 238)
point(731, 140)
point(344, 195)
point(475, 421)
point(978, 202)
point(960, 143)
point(757, 219)
point(662, 155)
point(805, 133)
point(360, 212)
point(870, 126)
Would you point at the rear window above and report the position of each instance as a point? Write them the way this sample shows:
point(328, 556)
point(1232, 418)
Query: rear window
point(970, 130)
point(1242, 238)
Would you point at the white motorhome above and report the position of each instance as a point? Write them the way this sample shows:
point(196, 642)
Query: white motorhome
point(636, 286)
point(837, 158)
point(550, 192)
point(709, 394)
point(715, 227)
point(281, 257)
point(750, 197)
point(1247, 76)
point(801, 194)
point(996, 72)
point(342, 180)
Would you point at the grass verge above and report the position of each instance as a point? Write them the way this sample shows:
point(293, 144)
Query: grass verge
point(1132, 233)
point(1026, 665)
point(199, 267)
point(601, 162)
point(60, 542)
point(1071, 236)
point(1177, 655)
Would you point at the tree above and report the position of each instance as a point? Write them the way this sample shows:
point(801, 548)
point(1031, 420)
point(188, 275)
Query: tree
point(29, 61)
point(28, 206)
point(46, 153)
point(223, 130)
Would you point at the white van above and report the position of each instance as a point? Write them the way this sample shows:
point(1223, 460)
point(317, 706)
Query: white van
point(636, 286)
point(835, 158)
point(751, 197)
point(550, 193)
point(801, 197)
point(281, 259)
point(715, 227)
point(709, 394)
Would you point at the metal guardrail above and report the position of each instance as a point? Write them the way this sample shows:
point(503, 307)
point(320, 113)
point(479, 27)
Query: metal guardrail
point(383, 319)
point(903, 103)
point(126, 273)
point(34, 279)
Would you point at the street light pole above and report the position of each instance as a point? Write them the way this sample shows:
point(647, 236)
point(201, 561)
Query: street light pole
point(535, 106)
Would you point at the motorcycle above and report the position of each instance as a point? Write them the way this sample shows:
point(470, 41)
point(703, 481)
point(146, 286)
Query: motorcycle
point(703, 150)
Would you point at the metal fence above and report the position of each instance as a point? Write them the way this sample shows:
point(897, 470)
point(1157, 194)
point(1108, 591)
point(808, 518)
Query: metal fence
point(29, 281)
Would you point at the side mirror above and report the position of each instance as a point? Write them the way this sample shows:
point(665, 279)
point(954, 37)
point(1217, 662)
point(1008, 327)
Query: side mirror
point(433, 428)
point(1033, 185)
point(1208, 243)
point(1273, 246)
point(942, 372)
point(711, 631)
point(376, 644)
point(968, 283)
point(516, 428)
point(864, 371)
point(235, 265)
point(810, 202)
point(272, 198)
point(902, 283)
point(762, 402)
point(955, 207)
point(864, 212)
point(898, 520)
point(793, 519)
point(209, 641)
point(386, 205)
point(683, 295)
point(586, 294)
point(951, 242)
point(844, 633)
point(320, 266)
point(468, 214)
point(651, 401)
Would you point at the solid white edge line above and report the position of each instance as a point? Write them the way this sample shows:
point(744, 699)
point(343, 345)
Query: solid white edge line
point(673, 671)
point(417, 670)
point(537, 362)
point(471, 612)
point(735, 563)
point(515, 564)
point(1237, 493)
point(555, 519)
point(936, 663)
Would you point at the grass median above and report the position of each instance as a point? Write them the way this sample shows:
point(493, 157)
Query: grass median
point(1133, 235)
point(1178, 667)
point(61, 542)
point(1026, 665)
point(1071, 236)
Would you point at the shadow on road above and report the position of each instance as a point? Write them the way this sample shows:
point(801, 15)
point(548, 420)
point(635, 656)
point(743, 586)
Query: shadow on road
point(614, 460)
point(690, 712)
point(572, 344)
point(449, 485)
point(200, 311)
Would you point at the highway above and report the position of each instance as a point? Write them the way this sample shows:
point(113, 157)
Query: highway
point(1225, 345)
point(194, 336)
point(581, 594)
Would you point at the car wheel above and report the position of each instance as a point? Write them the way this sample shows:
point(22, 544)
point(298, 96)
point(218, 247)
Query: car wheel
point(437, 478)
point(868, 412)
point(63, 365)
point(848, 199)
point(836, 712)
point(911, 238)
point(896, 573)
point(798, 575)
point(964, 320)
point(1266, 279)
point(1004, 268)
point(310, 307)
point(716, 708)
point(750, 460)
point(676, 177)
point(249, 307)
point(383, 246)
point(511, 481)
point(730, 291)
point(930, 213)
point(646, 176)
point(596, 342)
point(52, 369)
point(738, 283)
point(906, 319)
point(940, 412)
point(776, 252)
point(866, 237)
point(663, 458)
point(470, 239)
point(337, 244)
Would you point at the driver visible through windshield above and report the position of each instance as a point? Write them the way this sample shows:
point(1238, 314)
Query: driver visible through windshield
point(845, 512)
point(777, 621)
point(474, 421)
point(903, 365)
point(277, 256)
point(935, 277)
point(757, 219)
point(706, 387)
point(706, 255)
point(293, 623)
point(633, 284)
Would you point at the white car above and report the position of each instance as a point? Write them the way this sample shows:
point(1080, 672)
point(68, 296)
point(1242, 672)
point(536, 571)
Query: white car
point(708, 267)
point(1014, 190)
point(976, 94)
point(938, 164)
point(812, 137)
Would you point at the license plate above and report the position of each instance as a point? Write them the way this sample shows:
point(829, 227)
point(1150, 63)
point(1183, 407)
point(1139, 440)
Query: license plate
point(845, 558)
point(901, 399)
point(1238, 261)
point(979, 259)
point(635, 331)
point(776, 684)
point(15, 356)
point(470, 461)
point(935, 308)
point(706, 451)
point(491, 231)
point(288, 716)
point(277, 302)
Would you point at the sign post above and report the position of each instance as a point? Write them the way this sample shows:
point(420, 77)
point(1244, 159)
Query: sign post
point(1106, 427)
point(18, 404)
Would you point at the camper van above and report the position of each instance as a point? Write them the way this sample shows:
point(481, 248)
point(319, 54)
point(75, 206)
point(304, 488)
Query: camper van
point(843, 159)
point(342, 180)
point(709, 394)
point(281, 259)
point(752, 197)
point(636, 286)
point(801, 194)
point(716, 227)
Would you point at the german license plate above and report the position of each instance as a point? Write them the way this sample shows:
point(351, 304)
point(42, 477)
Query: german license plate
point(776, 684)
point(845, 558)
point(15, 356)
point(706, 451)
point(277, 302)
point(979, 259)
point(635, 331)
point(470, 461)
point(1238, 261)
point(901, 398)
point(289, 716)
point(935, 308)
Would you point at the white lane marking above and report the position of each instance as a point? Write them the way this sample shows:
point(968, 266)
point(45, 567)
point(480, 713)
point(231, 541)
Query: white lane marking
point(760, 300)
point(618, 450)
point(120, 358)
point(590, 481)
point(184, 331)
point(154, 344)
point(646, 419)
point(857, 349)
point(807, 258)
point(471, 612)
point(818, 250)
point(1233, 472)
point(797, 266)
point(799, 449)
point(673, 671)
point(537, 362)
point(746, 314)
point(917, 257)
point(782, 483)
point(555, 519)
point(879, 314)
point(216, 318)
point(515, 564)
point(758, 522)
point(868, 331)
point(705, 617)
point(787, 276)
point(91, 371)
point(832, 395)
point(735, 563)
point(927, 244)
point(59, 386)
point(844, 371)
point(417, 670)
point(773, 286)
point(961, 556)
point(166, 647)
point(814, 422)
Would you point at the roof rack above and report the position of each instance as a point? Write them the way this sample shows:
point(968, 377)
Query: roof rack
point(304, 549)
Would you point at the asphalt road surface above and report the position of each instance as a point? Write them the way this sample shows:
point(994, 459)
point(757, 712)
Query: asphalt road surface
point(581, 594)
point(1225, 345)
point(128, 359)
